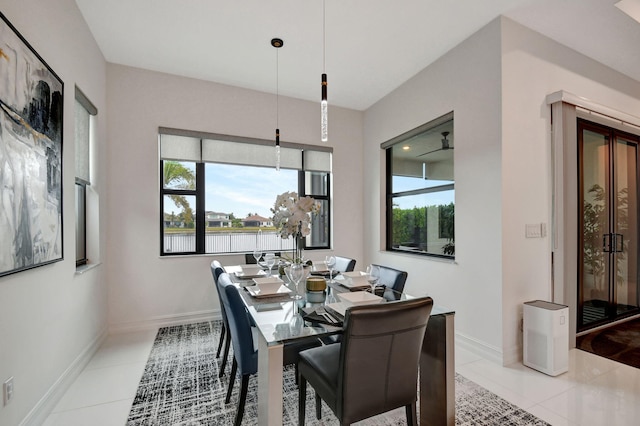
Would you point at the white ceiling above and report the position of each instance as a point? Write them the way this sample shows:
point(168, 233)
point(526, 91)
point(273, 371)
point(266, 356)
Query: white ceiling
point(372, 46)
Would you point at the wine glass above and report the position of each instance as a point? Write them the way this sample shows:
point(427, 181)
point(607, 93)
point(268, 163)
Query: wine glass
point(287, 273)
point(331, 263)
point(331, 298)
point(297, 272)
point(296, 324)
point(373, 274)
point(270, 260)
point(257, 254)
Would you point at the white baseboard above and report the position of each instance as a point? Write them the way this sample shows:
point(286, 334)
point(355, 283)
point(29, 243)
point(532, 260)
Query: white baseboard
point(47, 403)
point(164, 321)
point(479, 348)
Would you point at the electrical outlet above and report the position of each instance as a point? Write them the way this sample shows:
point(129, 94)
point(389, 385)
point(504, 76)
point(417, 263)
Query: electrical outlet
point(7, 390)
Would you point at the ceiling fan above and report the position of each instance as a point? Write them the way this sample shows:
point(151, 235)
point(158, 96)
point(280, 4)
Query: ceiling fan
point(445, 145)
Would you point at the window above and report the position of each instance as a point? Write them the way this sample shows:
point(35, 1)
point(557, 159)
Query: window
point(84, 109)
point(217, 192)
point(420, 190)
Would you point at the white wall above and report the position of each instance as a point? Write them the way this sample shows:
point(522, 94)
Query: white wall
point(534, 66)
point(49, 316)
point(146, 289)
point(496, 83)
point(467, 81)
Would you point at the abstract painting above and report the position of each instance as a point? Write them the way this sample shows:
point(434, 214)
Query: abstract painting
point(31, 110)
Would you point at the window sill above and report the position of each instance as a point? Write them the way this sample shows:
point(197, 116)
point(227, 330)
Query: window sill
point(84, 268)
point(424, 256)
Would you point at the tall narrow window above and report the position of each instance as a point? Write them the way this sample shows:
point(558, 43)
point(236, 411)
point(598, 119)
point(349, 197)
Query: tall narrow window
point(420, 190)
point(84, 109)
point(316, 182)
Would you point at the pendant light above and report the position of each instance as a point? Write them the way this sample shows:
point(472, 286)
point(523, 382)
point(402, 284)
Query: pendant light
point(324, 106)
point(277, 43)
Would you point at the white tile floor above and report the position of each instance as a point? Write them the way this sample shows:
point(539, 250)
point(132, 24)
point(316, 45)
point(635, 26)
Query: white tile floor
point(595, 391)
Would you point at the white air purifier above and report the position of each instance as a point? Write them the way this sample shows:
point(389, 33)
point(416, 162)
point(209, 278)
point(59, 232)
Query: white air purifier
point(546, 337)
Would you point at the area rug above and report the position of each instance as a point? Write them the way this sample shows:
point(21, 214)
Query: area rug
point(620, 342)
point(180, 386)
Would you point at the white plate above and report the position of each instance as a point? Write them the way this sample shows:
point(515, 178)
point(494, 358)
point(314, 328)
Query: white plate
point(256, 292)
point(354, 274)
point(355, 282)
point(320, 268)
point(339, 308)
point(267, 280)
point(250, 271)
point(359, 298)
point(268, 285)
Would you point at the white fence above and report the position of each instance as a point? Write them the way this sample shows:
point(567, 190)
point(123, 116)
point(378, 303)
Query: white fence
point(227, 242)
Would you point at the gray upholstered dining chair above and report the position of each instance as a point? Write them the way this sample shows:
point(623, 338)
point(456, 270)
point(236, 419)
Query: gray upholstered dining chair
point(392, 278)
point(375, 367)
point(250, 260)
point(225, 337)
point(344, 264)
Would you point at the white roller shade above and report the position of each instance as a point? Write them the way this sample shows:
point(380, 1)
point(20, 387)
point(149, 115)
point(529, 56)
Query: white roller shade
point(82, 125)
point(249, 154)
point(183, 145)
point(317, 161)
point(179, 148)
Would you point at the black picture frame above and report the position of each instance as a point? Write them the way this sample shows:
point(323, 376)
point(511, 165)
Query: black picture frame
point(31, 129)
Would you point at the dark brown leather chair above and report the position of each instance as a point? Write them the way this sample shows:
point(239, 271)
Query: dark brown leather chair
point(375, 367)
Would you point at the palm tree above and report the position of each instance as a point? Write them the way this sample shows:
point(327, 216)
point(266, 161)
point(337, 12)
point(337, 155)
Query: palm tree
point(177, 176)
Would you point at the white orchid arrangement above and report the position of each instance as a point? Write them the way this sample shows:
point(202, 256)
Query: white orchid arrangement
point(292, 214)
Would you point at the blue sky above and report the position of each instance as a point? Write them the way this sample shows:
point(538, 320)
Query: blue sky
point(242, 190)
point(401, 183)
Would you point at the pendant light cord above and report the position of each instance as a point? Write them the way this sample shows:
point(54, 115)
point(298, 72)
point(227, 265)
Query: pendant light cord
point(277, 89)
point(324, 38)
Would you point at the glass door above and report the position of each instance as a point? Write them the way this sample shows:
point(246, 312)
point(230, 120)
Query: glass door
point(625, 251)
point(608, 221)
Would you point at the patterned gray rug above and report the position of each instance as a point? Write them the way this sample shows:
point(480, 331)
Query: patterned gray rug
point(180, 386)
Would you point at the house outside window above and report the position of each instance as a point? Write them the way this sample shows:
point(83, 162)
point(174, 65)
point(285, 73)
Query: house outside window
point(420, 191)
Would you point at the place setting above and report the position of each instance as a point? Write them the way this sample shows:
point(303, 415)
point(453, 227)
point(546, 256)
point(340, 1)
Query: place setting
point(247, 272)
point(267, 287)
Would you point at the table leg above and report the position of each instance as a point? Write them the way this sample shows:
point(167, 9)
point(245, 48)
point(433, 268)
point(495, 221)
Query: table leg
point(269, 383)
point(437, 373)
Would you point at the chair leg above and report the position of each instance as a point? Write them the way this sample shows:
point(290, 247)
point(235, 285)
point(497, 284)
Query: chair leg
point(232, 379)
point(243, 398)
point(412, 416)
point(302, 399)
point(225, 355)
point(296, 368)
point(318, 406)
point(222, 336)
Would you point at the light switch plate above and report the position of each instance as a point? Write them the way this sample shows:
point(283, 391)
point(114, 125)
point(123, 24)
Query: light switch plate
point(535, 230)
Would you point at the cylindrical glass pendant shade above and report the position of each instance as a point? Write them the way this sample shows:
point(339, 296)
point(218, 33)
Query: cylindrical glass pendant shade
point(324, 121)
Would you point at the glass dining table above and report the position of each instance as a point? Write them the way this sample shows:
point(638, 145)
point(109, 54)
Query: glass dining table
point(276, 319)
